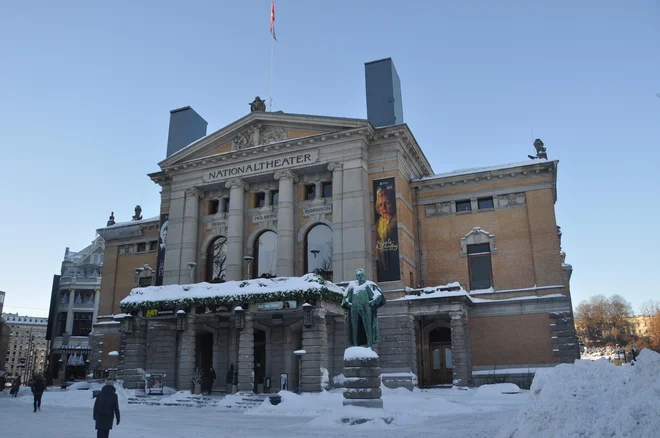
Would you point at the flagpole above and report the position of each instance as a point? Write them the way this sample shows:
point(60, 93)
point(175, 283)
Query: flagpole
point(272, 51)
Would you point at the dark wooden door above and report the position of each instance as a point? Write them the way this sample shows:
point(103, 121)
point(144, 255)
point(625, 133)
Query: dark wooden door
point(440, 363)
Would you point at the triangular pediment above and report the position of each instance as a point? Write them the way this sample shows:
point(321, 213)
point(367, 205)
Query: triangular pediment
point(258, 129)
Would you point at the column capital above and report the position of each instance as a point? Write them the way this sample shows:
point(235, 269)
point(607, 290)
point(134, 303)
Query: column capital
point(195, 191)
point(286, 174)
point(458, 315)
point(238, 183)
point(335, 166)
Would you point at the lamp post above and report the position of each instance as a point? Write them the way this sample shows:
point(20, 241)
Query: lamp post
point(192, 271)
point(240, 318)
point(299, 354)
point(114, 355)
point(248, 259)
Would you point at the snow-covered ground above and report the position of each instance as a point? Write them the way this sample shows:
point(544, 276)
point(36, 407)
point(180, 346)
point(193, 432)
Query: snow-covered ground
point(587, 399)
point(451, 413)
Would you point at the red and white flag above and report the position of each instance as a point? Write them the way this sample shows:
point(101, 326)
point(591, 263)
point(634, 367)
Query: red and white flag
point(272, 19)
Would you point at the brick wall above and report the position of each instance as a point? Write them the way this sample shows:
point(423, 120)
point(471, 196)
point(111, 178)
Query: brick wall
point(511, 340)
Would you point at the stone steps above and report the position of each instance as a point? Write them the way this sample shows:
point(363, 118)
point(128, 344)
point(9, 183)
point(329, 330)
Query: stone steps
point(246, 402)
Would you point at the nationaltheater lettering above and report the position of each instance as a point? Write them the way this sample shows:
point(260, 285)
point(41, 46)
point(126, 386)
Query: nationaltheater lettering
point(263, 165)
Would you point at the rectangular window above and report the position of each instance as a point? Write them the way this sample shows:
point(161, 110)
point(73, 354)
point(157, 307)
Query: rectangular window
point(481, 276)
point(142, 247)
point(214, 206)
point(463, 206)
point(82, 324)
point(486, 203)
point(226, 202)
point(153, 245)
point(259, 199)
point(310, 192)
point(275, 197)
point(61, 324)
point(327, 189)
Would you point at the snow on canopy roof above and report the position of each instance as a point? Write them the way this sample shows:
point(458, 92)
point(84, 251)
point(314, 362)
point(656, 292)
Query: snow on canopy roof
point(460, 172)
point(310, 286)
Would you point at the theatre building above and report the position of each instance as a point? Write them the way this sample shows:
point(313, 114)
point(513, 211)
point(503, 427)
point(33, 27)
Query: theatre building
point(469, 262)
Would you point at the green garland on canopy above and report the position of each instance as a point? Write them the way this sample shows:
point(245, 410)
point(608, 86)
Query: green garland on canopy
point(318, 293)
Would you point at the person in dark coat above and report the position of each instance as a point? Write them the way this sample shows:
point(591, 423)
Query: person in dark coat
point(211, 379)
point(106, 407)
point(38, 387)
point(15, 386)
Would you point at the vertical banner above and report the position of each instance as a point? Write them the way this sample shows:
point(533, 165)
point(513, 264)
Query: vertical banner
point(162, 242)
point(387, 237)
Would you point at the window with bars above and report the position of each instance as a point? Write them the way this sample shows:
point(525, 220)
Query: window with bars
point(479, 266)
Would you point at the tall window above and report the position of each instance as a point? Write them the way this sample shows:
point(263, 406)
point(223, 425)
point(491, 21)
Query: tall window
point(61, 324)
point(265, 254)
point(318, 246)
point(216, 260)
point(481, 276)
point(82, 324)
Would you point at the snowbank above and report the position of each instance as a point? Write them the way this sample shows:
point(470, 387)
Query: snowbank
point(359, 353)
point(497, 389)
point(593, 399)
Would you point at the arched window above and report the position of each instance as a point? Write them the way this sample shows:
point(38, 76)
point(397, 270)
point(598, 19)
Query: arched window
point(318, 248)
point(265, 254)
point(216, 260)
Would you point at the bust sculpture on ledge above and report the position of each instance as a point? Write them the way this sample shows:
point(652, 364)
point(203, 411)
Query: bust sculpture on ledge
point(362, 299)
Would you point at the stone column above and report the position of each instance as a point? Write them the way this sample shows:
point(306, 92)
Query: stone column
point(186, 357)
point(318, 189)
point(460, 349)
point(133, 354)
point(97, 297)
point(69, 312)
point(337, 214)
point(189, 240)
point(246, 356)
point(235, 222)
point(285, 223)
point(315, 344)
point(221, 205)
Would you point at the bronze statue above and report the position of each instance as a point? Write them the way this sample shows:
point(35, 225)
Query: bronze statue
point(540, 150)
point(138, 213)
point(362, 299)
point(258, 105)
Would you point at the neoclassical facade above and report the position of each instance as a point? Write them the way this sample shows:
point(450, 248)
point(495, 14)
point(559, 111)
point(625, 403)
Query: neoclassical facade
point(470, 261)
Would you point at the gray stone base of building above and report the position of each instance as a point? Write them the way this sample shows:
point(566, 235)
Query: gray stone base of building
point(362, 386)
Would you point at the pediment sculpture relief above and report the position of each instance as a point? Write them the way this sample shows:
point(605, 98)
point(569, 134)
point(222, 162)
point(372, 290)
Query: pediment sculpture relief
point(257, 135)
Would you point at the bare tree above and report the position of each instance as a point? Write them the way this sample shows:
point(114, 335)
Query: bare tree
point(603, 318)
point(650, 310)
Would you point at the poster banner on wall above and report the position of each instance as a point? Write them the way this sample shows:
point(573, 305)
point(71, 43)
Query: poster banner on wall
point(387, 237)
point(162, 241)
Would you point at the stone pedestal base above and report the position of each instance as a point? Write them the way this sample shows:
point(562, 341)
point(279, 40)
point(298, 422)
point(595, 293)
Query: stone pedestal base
point(362, 372)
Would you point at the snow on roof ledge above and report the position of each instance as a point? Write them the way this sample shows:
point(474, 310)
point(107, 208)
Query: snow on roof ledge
point(175, 296)
point(460, 172)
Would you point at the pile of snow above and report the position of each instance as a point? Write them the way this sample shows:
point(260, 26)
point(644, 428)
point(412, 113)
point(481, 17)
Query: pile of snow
point(231, 291)
point(593, 399)
point(359, 353)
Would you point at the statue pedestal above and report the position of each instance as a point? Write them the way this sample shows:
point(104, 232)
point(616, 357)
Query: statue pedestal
point(362, 372)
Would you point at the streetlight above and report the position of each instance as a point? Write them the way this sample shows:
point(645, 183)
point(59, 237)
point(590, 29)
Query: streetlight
point(192, 271)
point(315, 251)
point(248, 259)
point(114, 355)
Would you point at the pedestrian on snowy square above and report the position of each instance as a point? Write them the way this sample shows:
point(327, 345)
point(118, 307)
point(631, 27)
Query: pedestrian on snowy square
point(15, 386)
point(38, 387)
point(106, 407)
point(211, 379)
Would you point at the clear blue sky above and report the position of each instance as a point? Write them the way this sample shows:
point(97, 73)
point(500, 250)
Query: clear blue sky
point(86, 89)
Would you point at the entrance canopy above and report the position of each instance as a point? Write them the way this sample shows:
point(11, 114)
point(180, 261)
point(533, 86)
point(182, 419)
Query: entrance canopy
point(176, 296)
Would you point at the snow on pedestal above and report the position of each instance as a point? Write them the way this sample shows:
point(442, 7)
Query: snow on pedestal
point(359, 353)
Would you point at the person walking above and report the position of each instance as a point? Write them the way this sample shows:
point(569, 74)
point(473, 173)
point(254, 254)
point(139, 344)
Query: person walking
point(106, 407)
point(211, 379)
point(15, 386)
point(38, 387)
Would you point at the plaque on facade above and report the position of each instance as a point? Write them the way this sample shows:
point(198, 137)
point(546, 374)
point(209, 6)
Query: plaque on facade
point(438, 209)
point(155, 383)
point(213, 308)
point(321, 209)
point(277, 305)
point(264, 218)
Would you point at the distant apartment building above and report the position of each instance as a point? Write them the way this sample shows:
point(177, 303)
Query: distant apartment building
point(26, 352)
point(73, 308)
